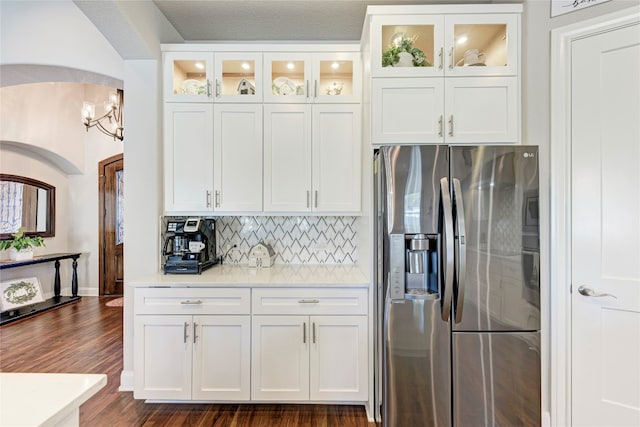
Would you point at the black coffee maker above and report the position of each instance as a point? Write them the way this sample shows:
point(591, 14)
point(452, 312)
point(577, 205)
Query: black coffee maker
point(189, 246)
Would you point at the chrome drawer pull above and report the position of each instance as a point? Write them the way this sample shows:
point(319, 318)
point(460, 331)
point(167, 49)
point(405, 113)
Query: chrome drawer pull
point(308, 301)
point(189, 302)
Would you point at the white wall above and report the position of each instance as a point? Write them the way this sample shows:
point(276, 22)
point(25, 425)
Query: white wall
point(54, 33)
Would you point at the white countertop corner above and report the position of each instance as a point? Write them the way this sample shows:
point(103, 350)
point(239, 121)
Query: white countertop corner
point(34, 399)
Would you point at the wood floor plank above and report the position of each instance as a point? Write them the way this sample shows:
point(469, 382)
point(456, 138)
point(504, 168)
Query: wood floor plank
point(86, 337)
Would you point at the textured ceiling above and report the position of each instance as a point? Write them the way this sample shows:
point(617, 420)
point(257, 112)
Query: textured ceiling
point(279, 20)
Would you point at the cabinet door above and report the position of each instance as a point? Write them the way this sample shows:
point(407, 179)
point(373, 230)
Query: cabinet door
point(336, 158)
point(162, 357)
point(337, 77)
point(280, 358)
point(238, 158)
point(188, 76)
point(221, 358)
point(188, 157)
point(482, 109)
point(407, 110)
point(338, 358)
point(287, 77)
point(392, 36)
point(238, 77)
point(482, 44)
point(287, 158)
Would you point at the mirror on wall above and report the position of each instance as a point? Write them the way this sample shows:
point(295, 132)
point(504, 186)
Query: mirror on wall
point(28, 203)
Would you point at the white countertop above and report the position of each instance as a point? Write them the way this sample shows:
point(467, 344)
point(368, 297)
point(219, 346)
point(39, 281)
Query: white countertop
point(277, 275)
point(28, 399)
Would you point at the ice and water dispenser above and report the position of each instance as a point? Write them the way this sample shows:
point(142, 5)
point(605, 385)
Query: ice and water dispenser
point(414, 266)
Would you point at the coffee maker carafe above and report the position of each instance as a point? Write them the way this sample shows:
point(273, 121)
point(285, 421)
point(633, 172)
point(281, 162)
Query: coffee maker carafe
point(189, 246)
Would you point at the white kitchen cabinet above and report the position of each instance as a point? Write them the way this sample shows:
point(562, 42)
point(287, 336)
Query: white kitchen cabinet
point(178, 352)
point(238, 77)
point(237, 158)
point(209, 77)
point(455, 110)
point(452, 43)
point(309, 344)
point(213, 158)
point(188, 76)
point(312, 158)
point(188, 157)
point(297, 77)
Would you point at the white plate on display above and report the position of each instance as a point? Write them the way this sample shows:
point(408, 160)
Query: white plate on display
point(284, 86)
point(192, 87)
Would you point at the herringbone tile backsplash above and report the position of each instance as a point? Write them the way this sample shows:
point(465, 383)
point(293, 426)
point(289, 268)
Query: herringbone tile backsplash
point(295, 239)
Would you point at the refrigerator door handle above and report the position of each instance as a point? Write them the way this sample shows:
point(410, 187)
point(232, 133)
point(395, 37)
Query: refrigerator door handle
point(447, 218)
point(460, 250)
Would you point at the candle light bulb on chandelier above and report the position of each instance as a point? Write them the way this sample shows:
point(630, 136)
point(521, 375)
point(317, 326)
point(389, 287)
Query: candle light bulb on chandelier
point(110, 123)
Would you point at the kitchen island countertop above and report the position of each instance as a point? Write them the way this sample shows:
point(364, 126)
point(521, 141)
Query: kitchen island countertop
point(278, 275)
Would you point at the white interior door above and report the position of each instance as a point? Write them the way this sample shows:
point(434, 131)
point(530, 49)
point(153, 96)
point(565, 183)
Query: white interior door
point(605, 317)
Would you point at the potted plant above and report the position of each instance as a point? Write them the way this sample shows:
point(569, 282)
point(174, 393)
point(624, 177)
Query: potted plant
point(21, 247)
point(402, 54)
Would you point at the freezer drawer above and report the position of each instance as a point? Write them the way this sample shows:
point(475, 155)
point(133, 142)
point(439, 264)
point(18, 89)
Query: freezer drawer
point(496, 379)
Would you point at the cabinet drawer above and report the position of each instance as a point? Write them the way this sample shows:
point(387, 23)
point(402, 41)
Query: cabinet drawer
point(192, 301)
point(309, 301)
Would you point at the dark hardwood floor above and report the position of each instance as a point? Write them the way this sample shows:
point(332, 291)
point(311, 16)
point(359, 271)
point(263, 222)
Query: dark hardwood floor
point(86, 337)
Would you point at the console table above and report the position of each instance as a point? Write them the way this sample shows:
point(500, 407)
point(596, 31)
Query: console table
point(57, 300)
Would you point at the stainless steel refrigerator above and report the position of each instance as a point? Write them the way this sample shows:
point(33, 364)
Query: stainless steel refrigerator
point(458, 290)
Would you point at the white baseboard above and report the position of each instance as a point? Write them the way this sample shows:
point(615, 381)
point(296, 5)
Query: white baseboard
point(126, 381)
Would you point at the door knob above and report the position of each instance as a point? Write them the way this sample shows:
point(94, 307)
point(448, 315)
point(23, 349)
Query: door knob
point(588, 292)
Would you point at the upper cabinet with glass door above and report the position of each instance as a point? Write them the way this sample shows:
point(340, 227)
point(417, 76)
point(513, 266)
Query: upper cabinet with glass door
point(452, 45)
point(188, 76)
point(312, 77)
point(238, 77)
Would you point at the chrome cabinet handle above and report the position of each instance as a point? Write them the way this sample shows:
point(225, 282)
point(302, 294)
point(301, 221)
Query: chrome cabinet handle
point(451, 59)
point(208, 198)
point(217, 88)
point(451, 125)
point(440, 125)
point(208, 88)
point(308, 194)
point(195, 336)
point(304, 332)
point(308, 301)
point(186, 333)
point(307, 92)
point(314, 332)
point(441, 55)
point(217, 198)
point(316, 202)
point(588, 292)
point(189, 302)
point(315, 88)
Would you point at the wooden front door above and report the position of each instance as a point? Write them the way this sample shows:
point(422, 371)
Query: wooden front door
point(111, 241)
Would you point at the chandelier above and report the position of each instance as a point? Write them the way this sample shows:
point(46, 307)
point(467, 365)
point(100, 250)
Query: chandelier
point(111, 122)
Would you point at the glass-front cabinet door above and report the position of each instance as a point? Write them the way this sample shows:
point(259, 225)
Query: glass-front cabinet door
point(481, 45)
point(238, 77)
point(337, 77)
point(407, 46)
point(452, 45)
point(188, 76)
point(333, 77)
point(287, 77)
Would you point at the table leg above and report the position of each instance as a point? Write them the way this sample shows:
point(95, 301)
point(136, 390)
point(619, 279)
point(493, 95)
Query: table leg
point(56, 280)
point(74, 278)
